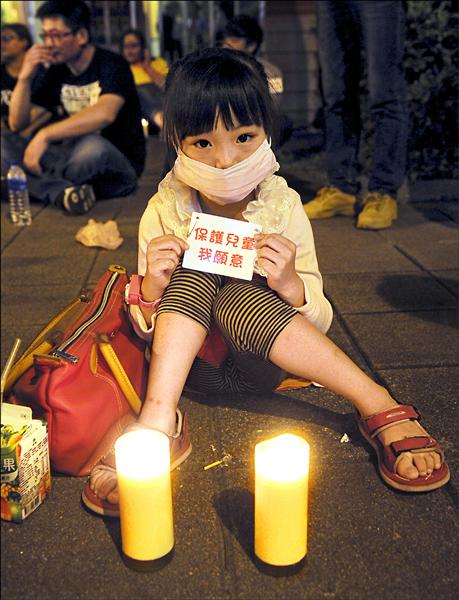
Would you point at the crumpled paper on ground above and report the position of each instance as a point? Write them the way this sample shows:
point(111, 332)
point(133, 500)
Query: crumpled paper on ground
point(105, 235)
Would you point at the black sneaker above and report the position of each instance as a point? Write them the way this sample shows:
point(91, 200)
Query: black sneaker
point(78, 199)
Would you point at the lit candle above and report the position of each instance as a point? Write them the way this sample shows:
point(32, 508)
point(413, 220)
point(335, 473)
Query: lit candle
point(145, 498)
point(281, 499)
point(145, 128)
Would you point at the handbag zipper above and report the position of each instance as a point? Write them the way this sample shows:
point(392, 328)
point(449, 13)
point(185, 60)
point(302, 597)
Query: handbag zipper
point(60, 351)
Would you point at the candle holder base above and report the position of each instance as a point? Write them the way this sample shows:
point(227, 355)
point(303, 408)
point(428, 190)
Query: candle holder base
point(279, 571)
point(148, 566)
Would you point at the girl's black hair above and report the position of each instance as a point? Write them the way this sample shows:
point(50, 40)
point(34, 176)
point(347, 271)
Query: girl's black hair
point(21, 31)
point(212, 83)
point(138, 34)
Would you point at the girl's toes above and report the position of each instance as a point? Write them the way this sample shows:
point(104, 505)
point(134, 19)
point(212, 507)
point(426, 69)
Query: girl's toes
point(103, 483)
point(113, 497)
point(430, 465)
point(421, 465)
point(405, 467)
point(437, 460)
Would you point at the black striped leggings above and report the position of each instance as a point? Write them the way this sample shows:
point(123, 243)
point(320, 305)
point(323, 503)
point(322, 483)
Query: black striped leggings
point(249, 315)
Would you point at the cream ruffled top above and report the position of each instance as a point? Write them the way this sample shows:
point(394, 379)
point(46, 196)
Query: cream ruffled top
point(276, 208)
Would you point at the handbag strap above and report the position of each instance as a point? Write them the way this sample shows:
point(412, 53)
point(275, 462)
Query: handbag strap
point(120, 374)
point(25, 361)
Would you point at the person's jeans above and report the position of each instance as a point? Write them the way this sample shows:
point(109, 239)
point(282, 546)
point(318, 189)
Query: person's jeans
point(343, 28)
point(88, 159)
point(151, 100)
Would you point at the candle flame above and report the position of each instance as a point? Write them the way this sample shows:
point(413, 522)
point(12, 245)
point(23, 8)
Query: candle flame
point(142, 454)
point(283, 458)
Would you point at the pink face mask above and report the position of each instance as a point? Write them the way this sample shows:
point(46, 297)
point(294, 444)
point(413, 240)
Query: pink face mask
point(227, 186)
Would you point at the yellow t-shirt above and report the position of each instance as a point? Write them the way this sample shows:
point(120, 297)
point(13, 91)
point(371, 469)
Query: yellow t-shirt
point(141, 78)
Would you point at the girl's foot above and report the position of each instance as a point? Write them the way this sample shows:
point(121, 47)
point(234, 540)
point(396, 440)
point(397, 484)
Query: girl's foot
point(411, 466)
point(408, 458)
point(101, 491)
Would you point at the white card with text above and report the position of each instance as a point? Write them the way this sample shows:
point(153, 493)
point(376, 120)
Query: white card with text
point(220, 245)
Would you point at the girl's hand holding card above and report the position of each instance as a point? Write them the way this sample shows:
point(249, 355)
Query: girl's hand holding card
point(163, 255)
point(276, 256)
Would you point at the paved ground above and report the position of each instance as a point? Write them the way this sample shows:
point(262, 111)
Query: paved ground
point(395, 298)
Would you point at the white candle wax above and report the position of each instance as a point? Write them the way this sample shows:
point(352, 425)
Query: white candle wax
point(281, 499)
point(145, 497)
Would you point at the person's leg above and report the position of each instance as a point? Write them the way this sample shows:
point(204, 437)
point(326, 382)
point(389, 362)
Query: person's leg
point(171, 361)
point(303, 350)
point(273, 331)
point(182, 322)
point(151, 100)
point(69, 165)
point(339, 54)
point(249, 316)
point(12, 149)
point(94, 160)
point(47, 187)
point(383, 28)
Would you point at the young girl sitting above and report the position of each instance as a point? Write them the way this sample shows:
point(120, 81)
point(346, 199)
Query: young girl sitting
point(218, 121)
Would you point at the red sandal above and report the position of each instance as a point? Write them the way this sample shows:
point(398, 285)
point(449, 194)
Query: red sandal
point(180, 450)
point(389, 456)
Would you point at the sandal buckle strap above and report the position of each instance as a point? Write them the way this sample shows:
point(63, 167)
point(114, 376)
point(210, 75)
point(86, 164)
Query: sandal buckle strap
point(392, 415)
point(413, 443)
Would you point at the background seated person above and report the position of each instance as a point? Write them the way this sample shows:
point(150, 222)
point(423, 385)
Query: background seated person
point(244, 33)
point(149, 75)
point(16, 40)
point(96, 147)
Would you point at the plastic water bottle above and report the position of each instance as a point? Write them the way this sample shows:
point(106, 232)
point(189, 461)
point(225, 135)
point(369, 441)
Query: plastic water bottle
point(18, 196)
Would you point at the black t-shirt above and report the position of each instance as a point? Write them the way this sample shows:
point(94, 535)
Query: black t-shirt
point(108, 73)
point(7, 83)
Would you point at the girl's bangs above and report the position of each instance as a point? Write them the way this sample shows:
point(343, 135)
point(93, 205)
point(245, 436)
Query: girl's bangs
point(199, 108)
point(213, 84)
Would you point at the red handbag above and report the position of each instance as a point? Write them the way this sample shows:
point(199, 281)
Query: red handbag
point(86, 380)
point(86, 372)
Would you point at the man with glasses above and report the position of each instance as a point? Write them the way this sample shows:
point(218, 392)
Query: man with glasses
point(95, 147)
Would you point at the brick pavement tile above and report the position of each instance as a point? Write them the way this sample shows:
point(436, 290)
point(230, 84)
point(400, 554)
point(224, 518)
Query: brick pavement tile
point(24, 305)
point(93, 566)
point(352, 516)
point(126, 257)
point(375, 292)
point(352, 255)
point(423, 338)
point(47, 271)
point(315, 414)
point(434, 393)
point(450, 279)
point(433, 244)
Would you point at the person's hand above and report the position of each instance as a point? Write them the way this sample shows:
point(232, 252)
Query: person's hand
point(163, 255)
point(34, 151)
point(276, 255)
point(154, 75)
point(146, 60)
point(37, 55)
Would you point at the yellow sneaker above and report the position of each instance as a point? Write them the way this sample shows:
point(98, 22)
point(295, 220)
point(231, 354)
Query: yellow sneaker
point(330, 201)
point(378, 212)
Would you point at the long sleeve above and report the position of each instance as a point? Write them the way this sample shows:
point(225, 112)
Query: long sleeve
point(317, 308)
point(150, 227)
